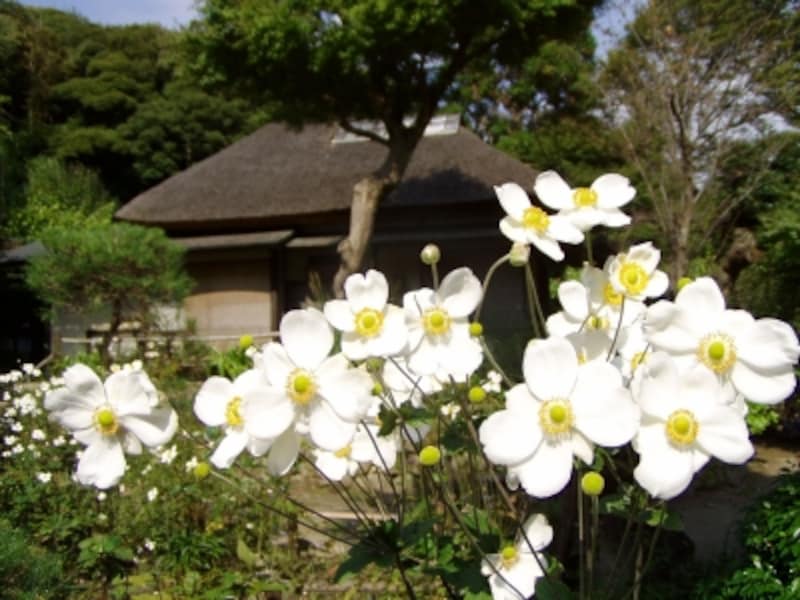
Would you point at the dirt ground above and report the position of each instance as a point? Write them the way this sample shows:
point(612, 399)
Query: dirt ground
point(712, 509)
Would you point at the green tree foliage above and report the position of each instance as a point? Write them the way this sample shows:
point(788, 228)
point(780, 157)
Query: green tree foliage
point(116, 100)
point(58, 195)
point(392, 62)
point(129, 268)
point(687, 85)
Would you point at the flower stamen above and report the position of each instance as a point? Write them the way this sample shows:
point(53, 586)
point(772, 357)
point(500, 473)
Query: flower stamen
point(633, 278)
point(301, 387)
point(535, 218)
point(556, 418)
point(106, 421)
point(584, 197)
point(718, 352)
point(611, 296)
point(682, 428)
point(369, 322)
point(508, 557)
point(232, 414)
point(436, 321)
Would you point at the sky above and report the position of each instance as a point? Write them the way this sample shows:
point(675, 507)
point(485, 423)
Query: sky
point(169, 13)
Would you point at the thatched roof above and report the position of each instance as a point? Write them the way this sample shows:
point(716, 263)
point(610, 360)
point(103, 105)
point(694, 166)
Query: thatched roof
point(278, 174)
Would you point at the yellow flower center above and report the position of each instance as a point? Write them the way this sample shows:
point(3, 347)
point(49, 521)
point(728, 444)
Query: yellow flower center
point(232, 414)
point(343, 452)
point(584, 197)
point(633, 278)
point(555, 417)
point(718, 352)
point(301, 387)
point(436, 321)
point(369, 322)
point(682, 428)
point(611, 296)
point(535, 218)
point(106, 421)
point(508, 557)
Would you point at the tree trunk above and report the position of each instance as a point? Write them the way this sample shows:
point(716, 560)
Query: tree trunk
point(367, 196)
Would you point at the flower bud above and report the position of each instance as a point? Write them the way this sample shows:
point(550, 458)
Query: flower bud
point(430, 254)
point(683, 282)
point(202, 470)
point(592, 483)
point(374, 364)
point(519, 254)
point(377, 389)
point(245, 341)
point(429, 456)
point(475, 329)
point(477, 394)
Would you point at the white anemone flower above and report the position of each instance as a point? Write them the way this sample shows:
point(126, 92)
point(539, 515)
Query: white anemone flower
point(243, 407)
point(514, 570)
point(592, 303)
point(587, 207)
point(686, 420)
point(756, 356)
point(634, 273)
point(111, 418)
point(530, 224)
point(439, 341)
point(367, 447)
point(561, 410)
point(323, 393)
point(369, 325)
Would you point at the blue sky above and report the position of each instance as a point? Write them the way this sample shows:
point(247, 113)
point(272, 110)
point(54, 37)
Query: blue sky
point(169, 13)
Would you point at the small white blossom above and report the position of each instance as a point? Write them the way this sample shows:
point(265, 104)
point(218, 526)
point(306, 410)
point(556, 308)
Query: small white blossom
point(44, 477)
point(152, 494)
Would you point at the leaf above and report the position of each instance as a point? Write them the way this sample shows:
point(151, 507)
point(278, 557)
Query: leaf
point(552, 589)
point(247, 556)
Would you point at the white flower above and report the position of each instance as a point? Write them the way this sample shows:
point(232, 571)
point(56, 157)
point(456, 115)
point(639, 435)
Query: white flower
point(559, 412)
point(190, 464)
point(149, 545)
point(110, 418)
point(587, 207)
point(38, 435)
point(756, 356)
point(529, 224)
point(684, 422)
point(514, 570)
point(239, 406)
point(369, 326)
point(634, 273)
point(405, 386)
point(439, 341)
point(152, 494)
point(592, 304)
point(44, 477)
point(101, 496)
point(168, 455)
point(312, 386)
point(59, 441)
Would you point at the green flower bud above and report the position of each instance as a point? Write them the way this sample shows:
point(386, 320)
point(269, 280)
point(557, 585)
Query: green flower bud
point(429, 456)
point(519, 254)
point(377, 389)
point(475, 329)
point(683, 282)
point(592, 483)
point(430, 254)
point(477, 394)
point(202, 470)
point(245, 341)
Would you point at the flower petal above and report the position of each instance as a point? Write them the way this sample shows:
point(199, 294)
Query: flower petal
point(604, 410)
point(553, 191)
point(768, 344)
point(340, 315)
point(763, 387)
point(275, 363)
point(663, 471)
point(366, 291)
point(82, 381)
point(267, 413)
point(229, 448)
point(130, 392)
point(307, 337)
point(154, 429)
point(212, 399)
point(348, 391)
point(538, 532)
point(460, 292)
point(550, 368)
point(283, 453)
point(71, 410)
point(723, 433)
point(548, 471)
point(547, 246)
point(563, 230)
point(513, 230)
point(513, 199)
point(574, 299)
point(613, 190)
point(510, 437)
point(328, 431)
point(102, 464)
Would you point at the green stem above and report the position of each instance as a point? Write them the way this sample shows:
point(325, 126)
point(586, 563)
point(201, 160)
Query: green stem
point(531, 286)
point(588, 243)
point(486, 280)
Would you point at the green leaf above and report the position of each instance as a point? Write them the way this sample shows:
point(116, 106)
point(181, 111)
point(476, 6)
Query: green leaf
point(552, 589)
point(247, 556)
